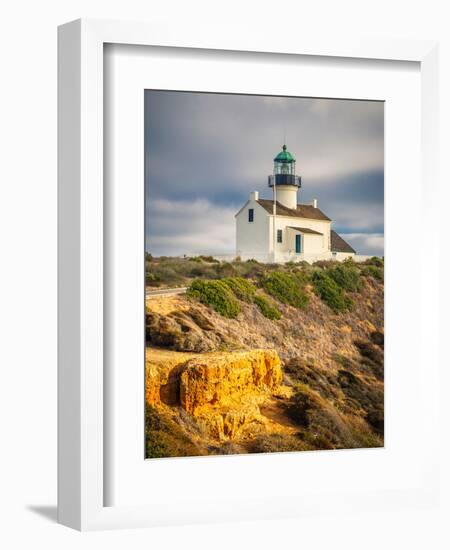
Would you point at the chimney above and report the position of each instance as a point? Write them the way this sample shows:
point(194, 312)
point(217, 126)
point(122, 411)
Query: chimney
point(254, 196)
point(314, 203)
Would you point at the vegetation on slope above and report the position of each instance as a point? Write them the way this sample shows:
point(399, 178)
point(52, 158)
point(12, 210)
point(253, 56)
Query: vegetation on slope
point(373, 271)
point(330, 292)
point(285, 288)
point(216, 294)
point(267, 307)
point(208, 281)
point(347, 276)
point(242, 288)
point(326, 323)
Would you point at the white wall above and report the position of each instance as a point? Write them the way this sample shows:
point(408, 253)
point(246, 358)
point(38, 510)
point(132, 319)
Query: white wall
point(312, 244)
point(253, 239)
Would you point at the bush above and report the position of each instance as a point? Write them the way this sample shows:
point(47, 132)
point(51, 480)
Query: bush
point(286, 289)
point(150, 279)
point(204, 271)
point(196, 259)
point(267, 308)
point(323, 264)
point(250, 269)
point(165, 438)
point(225, 269)
point(307, 372)
point(331, 293)
point(217, 295)
point(277, 443)
point(374, 271)
point(163, 274)
point(377, 262)
point(365, 395)
point(325, 427)
point(241, 288)
point(346, 276)
point(301, 276)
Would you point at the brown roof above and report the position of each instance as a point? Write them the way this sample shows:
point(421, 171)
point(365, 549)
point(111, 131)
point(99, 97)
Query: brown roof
point(302, 210)
point(339, 245)
point(304, 230)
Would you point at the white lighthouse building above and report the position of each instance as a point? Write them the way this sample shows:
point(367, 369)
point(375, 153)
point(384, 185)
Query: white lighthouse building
point(281, 229)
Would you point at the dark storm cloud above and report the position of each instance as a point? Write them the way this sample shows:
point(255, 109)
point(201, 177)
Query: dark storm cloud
point(206, 152)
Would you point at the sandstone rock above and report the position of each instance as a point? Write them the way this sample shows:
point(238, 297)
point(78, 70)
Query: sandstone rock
point(229, 423)
point(162, 385)
point(218, 379)
point(222, 391)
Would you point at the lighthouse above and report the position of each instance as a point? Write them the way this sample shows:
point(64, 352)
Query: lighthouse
point(284, 181)
point(281, 229)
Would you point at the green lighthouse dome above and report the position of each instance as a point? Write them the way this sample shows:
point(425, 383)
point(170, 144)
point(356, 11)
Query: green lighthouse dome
point(284, 170)
point(284, 156)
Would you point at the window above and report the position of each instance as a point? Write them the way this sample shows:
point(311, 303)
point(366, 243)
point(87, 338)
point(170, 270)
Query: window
point(279, 235)
point(250, 214)
point(298, 244)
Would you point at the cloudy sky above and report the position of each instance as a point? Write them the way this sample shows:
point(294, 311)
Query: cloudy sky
point(206, 152)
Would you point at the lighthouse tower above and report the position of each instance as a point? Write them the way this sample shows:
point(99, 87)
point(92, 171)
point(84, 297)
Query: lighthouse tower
point(284, 182)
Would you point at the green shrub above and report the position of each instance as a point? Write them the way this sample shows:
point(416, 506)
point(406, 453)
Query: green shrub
point(267, 308)
point(150, 279)
point(374, 271)
point(346, 276)
point(241, 288)
point(217, 295)
point(330, 292)
point(302, 276)
point(286, 289)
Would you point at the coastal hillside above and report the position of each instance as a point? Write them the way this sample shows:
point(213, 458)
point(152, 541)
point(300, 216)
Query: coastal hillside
point(263, 358)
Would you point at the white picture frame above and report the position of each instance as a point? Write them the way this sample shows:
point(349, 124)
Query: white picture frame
point(81, 480)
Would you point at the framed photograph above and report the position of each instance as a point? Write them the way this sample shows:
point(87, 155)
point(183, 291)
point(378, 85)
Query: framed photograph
point(239, 334)
point(264, 325)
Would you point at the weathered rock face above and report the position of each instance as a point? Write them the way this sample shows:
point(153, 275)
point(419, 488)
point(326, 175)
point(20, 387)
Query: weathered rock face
point(222, 391)
point(162, 375)
point(217, 380)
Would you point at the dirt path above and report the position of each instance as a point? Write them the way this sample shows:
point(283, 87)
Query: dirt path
point(164, 304)
point(274, 410)
point(165, 292)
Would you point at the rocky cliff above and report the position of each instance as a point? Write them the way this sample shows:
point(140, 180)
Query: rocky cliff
point(312, 380)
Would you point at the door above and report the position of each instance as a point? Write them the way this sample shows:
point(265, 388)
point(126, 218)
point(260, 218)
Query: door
point(298, 244)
